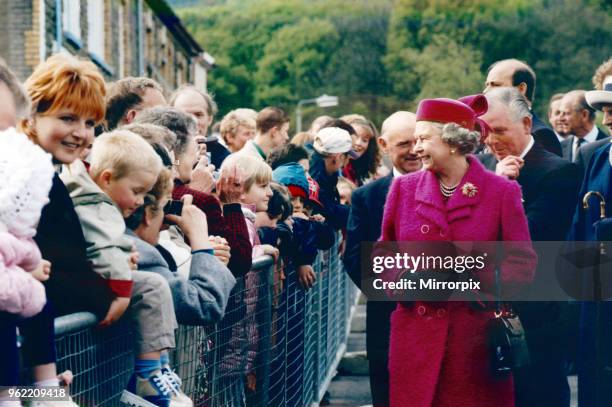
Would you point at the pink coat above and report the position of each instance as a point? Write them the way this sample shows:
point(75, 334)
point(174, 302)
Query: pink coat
point(20, 293)
point(438, 354)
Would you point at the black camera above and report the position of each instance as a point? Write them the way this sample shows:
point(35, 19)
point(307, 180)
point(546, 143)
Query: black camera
point(207, 139)
point(173, 208)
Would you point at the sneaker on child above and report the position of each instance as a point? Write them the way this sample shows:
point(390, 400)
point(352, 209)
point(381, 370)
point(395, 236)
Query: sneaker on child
point(152, 391)
point(175, 382)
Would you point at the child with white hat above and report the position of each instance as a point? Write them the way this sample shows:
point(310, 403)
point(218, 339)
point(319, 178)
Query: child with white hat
point(25, 173)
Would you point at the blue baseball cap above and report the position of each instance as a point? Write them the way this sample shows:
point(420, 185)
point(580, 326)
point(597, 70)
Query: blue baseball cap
point(293, 176)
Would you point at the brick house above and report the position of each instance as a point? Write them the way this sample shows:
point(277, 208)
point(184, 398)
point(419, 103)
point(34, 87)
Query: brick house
point(122, 37)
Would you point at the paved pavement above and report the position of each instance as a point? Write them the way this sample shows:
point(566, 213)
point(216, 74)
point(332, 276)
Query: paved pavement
point(351, 386)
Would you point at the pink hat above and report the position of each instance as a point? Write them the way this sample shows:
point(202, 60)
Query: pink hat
point(479, 104)
point(446, 111)
point(464, 112)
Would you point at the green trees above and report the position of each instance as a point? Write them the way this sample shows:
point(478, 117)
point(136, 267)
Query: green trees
point(385, 55)
point(295, 61)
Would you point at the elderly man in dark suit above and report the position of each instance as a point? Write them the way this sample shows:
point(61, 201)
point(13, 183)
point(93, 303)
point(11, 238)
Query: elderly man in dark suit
point(579, 117)
point(550, 187)
point(515, 73)
point(603, 83)
point(364, 224)
point(594, 380)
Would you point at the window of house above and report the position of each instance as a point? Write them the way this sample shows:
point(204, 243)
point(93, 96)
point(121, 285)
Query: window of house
point(71, 18)
point(95, 27)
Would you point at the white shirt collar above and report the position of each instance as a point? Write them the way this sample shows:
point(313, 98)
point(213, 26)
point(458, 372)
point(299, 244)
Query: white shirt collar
point(590, 137)
point(559, 137)
point(396, 172)
point(529, 145)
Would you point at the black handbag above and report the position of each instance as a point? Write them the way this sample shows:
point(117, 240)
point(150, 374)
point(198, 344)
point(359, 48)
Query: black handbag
point(506, 338)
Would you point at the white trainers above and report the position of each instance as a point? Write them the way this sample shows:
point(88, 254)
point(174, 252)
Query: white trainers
point(152, 391)
point(179, 397)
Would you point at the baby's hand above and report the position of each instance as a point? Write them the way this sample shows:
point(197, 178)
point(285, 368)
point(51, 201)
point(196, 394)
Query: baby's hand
point(115, 311)
point(42, 271)
point(133, 260)
point(65, 378)
point(318, 217)
point(251, 383)
point(306, 276)
point(271, 250)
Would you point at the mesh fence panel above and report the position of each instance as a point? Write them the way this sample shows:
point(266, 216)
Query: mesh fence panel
point(275, 346)
point(102, 362)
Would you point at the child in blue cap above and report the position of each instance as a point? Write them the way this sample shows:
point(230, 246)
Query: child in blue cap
point(310, 234)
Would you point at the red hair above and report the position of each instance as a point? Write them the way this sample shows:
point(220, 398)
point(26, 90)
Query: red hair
point(65, 82)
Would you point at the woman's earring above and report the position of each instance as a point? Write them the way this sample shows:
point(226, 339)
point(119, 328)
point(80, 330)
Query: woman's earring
point(452, 151)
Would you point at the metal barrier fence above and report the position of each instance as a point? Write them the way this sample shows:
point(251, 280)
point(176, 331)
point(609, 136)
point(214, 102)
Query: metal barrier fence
point(277, 344)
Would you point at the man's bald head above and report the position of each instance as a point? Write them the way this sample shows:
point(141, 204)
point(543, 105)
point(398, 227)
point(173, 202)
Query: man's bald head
point(397, 141)
point(398, 122)
point(512, 73)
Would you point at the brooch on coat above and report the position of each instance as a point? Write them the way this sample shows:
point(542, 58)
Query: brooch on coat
point(468, 189)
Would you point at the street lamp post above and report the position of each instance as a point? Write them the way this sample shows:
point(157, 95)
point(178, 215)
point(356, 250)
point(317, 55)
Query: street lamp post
point(321, 101)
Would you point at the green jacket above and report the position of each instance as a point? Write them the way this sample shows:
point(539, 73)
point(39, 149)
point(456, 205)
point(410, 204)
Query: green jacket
point(108, 248)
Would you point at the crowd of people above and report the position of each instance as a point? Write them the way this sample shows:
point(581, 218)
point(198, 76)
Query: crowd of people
point(120, 200)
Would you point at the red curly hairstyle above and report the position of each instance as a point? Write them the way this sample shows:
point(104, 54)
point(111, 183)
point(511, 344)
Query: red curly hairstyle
point(65, 82)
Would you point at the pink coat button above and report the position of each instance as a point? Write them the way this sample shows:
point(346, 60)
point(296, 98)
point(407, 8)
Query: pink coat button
point(421, 310)
point(441, 312)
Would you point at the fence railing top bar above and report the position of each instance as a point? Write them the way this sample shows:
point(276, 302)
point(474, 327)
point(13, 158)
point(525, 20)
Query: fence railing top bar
point(74, 322)
point(262, 262)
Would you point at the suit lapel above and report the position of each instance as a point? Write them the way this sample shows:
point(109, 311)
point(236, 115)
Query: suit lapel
point(429, 200)
point(605, 178)
point(378, 197)
point(378, 194)
point(529, 174)
point(600, 134)
point(568, 148)
point(488, 160)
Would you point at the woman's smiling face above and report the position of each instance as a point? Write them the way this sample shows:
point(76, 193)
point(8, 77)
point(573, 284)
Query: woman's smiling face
point(361, 139)
point(64, 134)
point(430, 147)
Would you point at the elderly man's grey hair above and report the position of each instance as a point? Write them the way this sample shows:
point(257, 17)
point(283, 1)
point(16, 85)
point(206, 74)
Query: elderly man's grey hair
point(153, 134)
point(511, 98)
point(183, 125)
point(211, 105)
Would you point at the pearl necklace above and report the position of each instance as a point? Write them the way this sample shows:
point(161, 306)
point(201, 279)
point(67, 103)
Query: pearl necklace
point(447, 191)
